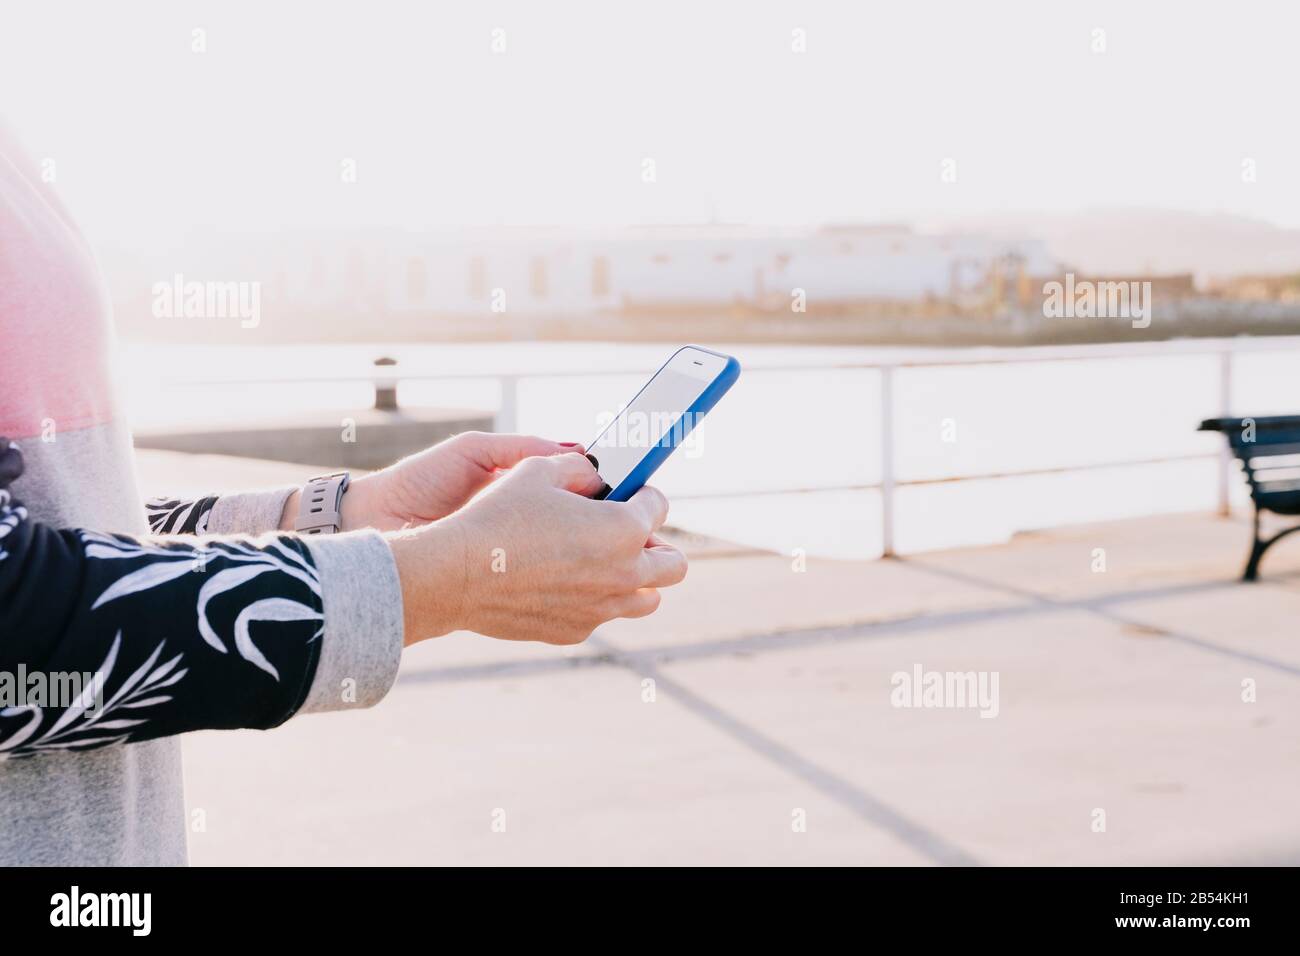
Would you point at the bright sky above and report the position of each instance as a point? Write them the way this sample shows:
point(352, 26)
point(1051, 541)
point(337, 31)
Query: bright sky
point(150, 138)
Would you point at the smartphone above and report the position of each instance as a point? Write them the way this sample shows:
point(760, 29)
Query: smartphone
point(657, 420)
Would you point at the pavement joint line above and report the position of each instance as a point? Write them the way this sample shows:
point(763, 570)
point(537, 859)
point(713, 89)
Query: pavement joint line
point(836, 788)
point(1100, 609)
point(799, 638)
point(858, 801)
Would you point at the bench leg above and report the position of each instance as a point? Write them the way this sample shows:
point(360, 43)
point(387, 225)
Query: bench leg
point(1259, 546)
point(1252, 566)
point(1256, 551)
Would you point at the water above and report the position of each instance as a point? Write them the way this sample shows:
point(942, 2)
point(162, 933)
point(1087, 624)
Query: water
point(817, 431)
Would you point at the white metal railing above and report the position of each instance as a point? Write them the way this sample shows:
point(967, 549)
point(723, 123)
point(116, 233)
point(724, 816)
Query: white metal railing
point(507, 415)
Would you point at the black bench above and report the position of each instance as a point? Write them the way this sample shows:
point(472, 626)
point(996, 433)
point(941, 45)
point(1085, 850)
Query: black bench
point(1269, 450)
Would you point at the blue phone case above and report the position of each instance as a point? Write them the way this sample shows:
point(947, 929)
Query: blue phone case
point(658, 453)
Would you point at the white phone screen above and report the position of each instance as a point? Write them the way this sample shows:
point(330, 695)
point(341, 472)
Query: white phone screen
point(655, 412)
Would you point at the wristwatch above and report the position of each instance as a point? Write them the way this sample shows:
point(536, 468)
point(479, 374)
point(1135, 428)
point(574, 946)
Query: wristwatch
point(321, 506)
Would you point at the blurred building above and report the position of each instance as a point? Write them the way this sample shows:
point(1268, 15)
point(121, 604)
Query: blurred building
point(661, 270)
point(1259, 288)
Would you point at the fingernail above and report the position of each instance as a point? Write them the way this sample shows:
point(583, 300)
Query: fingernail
point(570, 444)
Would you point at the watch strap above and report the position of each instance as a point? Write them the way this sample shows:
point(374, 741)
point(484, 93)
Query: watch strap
point(321, 505)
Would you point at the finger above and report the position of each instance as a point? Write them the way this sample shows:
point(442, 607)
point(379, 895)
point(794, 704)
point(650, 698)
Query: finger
point(500, 451)
point(651, 507)
point(661, 567)
point(639, 604)
point(570, 471)
point(566, 637)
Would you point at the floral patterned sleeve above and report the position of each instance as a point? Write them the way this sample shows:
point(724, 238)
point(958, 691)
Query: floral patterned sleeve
point(173, 516)
point(108, 638)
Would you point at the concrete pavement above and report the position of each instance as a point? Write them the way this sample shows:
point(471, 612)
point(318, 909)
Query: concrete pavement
point(1146, 713)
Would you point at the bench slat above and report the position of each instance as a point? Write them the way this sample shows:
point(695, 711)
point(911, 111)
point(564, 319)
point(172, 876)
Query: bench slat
point(1280, 502)
point(1262, 423)
point(1267, 431)
point(1260, 450)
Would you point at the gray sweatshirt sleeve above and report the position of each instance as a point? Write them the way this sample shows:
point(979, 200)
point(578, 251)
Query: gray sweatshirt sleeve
point(248, 512)
point(362, 643)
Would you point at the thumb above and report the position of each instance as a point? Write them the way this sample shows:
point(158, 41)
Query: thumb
point(571, 471)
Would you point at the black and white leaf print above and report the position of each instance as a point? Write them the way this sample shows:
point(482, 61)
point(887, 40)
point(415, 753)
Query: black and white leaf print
point(85, 724)
point(150, 576)
point(186, 630)
point(11, 468)
point(249, 562)
point(173, 516)
point(11, 516)
point(269, 609)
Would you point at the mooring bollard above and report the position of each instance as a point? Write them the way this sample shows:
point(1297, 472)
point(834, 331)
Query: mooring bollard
point(385, 388)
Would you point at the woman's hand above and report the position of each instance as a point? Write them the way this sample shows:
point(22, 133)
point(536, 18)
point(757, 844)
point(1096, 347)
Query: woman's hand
point(534, 559)
point(433, 483)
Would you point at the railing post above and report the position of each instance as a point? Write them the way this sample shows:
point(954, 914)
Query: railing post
point(887, 461)
point(507, 418)
point(1225, 451)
